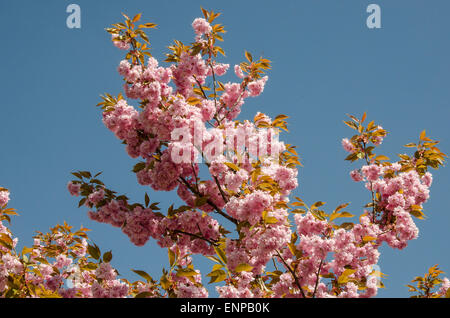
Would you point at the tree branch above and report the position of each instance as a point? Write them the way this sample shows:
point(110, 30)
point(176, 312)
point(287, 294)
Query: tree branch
point(209, 201)
point(214, 243)
point(294, 275)
point(317, 278)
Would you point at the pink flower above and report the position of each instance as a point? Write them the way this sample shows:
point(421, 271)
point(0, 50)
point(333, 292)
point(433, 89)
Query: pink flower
point(220, 69)
point(124, 68)
point(396, 200)
point(208, 110)
point(356, 176)
point(96, 196)
point(347, 145)
point(74, 188)
point(377, 140)
point(238, 71)
point(4, 198)
point(62, 261)
point(427, 179)
point(120, 44)
point(257, 87)
point(371, 172)
point(12, 264)
point(105, 271)
point(201, 26)
point(445, 286)
point(148, 147)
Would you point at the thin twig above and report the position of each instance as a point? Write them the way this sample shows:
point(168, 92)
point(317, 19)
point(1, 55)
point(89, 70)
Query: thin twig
point(317, 279)
point(370, 182)
point(214, 243)
point(209, 201)
point(292, 273)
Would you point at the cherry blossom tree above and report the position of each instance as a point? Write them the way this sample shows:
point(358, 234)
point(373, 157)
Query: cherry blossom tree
point(242, 217)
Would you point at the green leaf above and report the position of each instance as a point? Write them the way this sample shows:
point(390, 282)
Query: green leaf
point(232, 166)
point(217, 267)
point(201, 201)
point(368, 239)
point(137, 17)
point(418, 214)
point(143, 274)
point(26, 250)
point(340, 207)
point(186, 272)
point(381, 157)
point(347, 225)
point(317, 204)
point(90, 266)
point(270, 220)
point(423, 135)
point(299, 211)
point(221, 254)
point(164, 281)
point(138, 167)
point(217, 276)
point(144, 295)
point(243, 268)
point(82, 201)
point(6, 239)
point(213, 258)
point(171, 257)
point(249, 56)
point(78, 175)
point(344, 214)
point(86, 174)
point(107, 257)
point(344, 276)
point(94, 251)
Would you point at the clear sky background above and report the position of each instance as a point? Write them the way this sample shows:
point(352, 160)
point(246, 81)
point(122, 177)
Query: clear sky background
point(326, 63)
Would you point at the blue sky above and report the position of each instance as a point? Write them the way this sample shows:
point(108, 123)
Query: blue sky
point(326, 63)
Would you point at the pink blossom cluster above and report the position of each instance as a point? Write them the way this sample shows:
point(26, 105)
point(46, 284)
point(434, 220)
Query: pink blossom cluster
point(444, 287)
point(242, 289)
point(149, 82)
point(207, 189)
point(191, 222)
point(377, 136)
point(219, 69)
point(122, 121)
point(263, 242)
point(201, 26)
point(74, 188)
point(330, 254)
point(189, 70)
point(190, 288)
point(163, 176)
point(100, 283)
point(377, 140)
point(285, 177)
point(123, 45)
point(347, 145)
point(249, 186)
point(398, 196)
point(234, 95)
point(4, 198)
point(44, 270)
point(140, 224)
point(10, 264)
point(250, 207)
